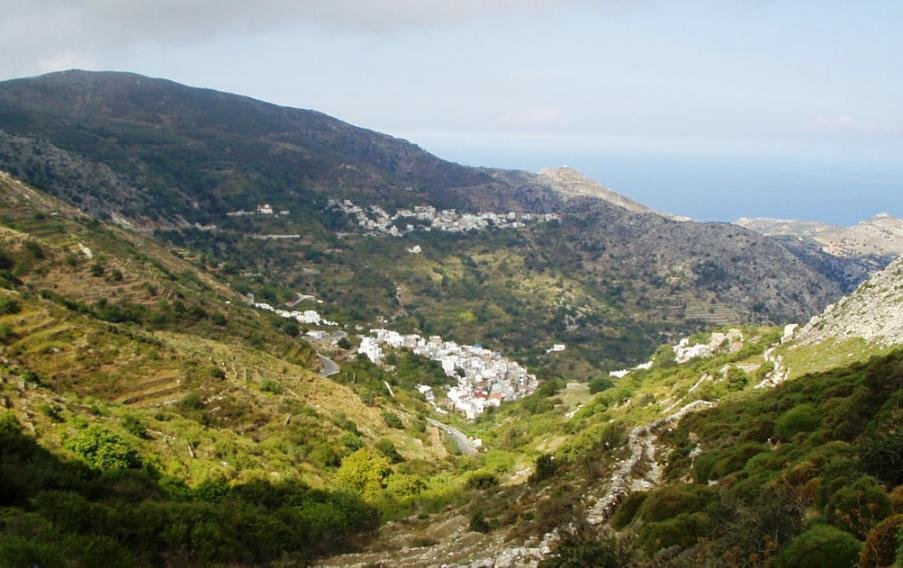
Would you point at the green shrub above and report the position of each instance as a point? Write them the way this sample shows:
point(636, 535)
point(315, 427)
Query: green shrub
point(545, 467)
point(801, 418)
point(192, 401)
point(883, 458)
point(325, 455)
point(405, 485)
point(664, 358)
point(858, 507)
point(105, 450)
point(672, 500)
point(270, 386)
point(716, 464)
point(822, 546)
point(600, 384)
point(388, 449)
point(578, 551)
point(478, 522)
point(683, 531)
point(9, 306)
point(134, 426)
point(392, 420)
point(482, 480)
point(628, 509)
point(364, 472)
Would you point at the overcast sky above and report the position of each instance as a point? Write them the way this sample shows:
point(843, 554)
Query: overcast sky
point(712, 108)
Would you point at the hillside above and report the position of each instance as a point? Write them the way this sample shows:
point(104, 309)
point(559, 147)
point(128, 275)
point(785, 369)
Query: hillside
point(880, 236)
point(874, 312)
point(728, 459)
point(140, 392)
point(193, 165)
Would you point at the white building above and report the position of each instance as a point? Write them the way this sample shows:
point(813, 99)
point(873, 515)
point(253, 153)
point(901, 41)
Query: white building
point(371, 349)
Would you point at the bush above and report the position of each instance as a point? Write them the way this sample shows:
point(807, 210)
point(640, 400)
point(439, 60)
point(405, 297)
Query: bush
point(881, 543)
point(545, 468)
point(857, 507)
point(482, 480)
point(682, 531)
point(325, 455)
point(9, 306)
point(578, 551)
point(270, 386)
point(393, 421)
point(600, 384)
point(478, 522)
point(6, 333)
point(343, 343)
point(822, 546)
point(388, 449)
point(664, 358)
point(716, 464)
point(192, 401)
point(883, 458)
point(134, 426)
point(801, 418)
point(364, 472)
point(672, 500)
point(628, 509)
point(105, 450)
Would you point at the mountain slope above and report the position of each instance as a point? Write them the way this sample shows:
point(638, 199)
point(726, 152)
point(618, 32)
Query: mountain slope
point(874, 312)
point(190, 152)
point(156, 155)
point(878, 237)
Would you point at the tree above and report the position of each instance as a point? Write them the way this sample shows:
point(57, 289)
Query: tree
point(365, 472)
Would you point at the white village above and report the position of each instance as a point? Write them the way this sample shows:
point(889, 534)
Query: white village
point(376, 220)
point(485, 378)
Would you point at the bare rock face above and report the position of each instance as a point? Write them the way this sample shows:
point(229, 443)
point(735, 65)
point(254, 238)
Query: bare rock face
point(873, 312)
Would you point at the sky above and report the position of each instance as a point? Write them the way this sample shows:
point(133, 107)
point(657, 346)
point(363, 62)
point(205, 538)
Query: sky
point(714, 109)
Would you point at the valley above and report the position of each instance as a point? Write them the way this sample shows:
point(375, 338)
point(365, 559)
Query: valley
point(238, 334)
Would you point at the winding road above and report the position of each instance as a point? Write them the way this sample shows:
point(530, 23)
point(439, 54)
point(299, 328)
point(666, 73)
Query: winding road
point(330, 367)
point(463, 442)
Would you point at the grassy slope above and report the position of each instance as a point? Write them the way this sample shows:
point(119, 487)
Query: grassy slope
point(170, 363)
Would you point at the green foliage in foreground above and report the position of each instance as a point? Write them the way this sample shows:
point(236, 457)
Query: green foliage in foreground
point(57, 513)
point(802, 475)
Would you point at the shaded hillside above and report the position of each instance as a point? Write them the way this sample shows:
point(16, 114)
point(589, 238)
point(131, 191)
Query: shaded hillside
point(196, 153)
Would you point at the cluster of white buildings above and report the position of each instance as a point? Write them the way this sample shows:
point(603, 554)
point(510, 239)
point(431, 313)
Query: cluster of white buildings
point(485, 378)
point(307, 316)
point(264, 209)
point(684, 351)
point(375, 220)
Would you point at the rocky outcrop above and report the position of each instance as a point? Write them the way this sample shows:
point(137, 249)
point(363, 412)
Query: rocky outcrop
point(874, 312)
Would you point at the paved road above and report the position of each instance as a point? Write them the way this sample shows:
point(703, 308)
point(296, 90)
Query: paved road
point(460, 438)
point(330, 367)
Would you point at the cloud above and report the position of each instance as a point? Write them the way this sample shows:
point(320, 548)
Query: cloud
point(35, 32)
